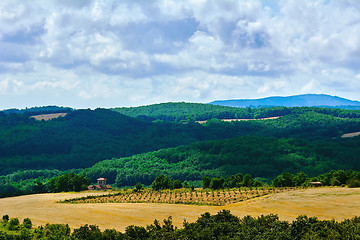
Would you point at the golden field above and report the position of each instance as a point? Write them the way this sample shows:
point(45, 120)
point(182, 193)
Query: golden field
point(324, 203)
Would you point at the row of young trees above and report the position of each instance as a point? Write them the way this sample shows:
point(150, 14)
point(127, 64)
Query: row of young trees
point(349, 178)
point(222, 225)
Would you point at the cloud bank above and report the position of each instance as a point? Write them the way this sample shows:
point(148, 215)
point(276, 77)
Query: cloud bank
point(127, 53)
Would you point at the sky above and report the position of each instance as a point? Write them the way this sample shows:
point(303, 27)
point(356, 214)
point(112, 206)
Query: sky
point(89, 54)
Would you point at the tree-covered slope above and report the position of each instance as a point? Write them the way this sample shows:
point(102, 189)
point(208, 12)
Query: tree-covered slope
point(81, 138)
point(260, 156)
point(198, 112)
point(84, 137)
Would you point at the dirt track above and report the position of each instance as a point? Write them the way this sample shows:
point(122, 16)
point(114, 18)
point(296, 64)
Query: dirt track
point(325, 203)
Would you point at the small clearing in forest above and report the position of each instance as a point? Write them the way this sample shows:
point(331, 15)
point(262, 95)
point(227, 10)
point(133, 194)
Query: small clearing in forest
point(48, 117)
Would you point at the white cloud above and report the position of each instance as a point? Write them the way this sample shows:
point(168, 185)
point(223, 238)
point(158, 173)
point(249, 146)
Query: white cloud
point(167, 50)
point(273, 87)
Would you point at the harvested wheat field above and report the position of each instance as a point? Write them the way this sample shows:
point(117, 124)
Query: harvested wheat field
point(325, 203)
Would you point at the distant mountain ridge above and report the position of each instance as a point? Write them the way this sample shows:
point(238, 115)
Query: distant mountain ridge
point(305, 100)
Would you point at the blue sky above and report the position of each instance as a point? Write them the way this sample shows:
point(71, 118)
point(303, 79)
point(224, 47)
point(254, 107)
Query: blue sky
point(88, 54)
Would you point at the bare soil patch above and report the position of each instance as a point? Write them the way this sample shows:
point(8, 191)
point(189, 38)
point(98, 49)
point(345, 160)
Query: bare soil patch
point(350, 135)
point(241, 119)
point(48, 117)
point(324, 203)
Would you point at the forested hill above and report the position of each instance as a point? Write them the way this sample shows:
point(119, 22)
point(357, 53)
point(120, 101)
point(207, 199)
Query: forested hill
point(38, 110)
point(259, 156)
point(84, 137)
point(199, 112)
point(306, 100)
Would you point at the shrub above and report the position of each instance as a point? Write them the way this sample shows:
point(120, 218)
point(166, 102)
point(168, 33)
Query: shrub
point(353, 183)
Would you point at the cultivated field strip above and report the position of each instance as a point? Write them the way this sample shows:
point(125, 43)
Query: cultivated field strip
point(181, 196)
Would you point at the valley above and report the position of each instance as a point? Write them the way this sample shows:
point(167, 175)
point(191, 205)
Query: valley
point(255, 161)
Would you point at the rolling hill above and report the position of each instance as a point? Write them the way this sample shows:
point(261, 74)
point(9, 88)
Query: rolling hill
point(84, 137)
point(306, 100)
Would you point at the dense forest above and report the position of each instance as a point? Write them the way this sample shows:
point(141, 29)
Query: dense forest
point(222, 225)
point(198, 112)
point(84, 137)
point(264, 157)
point(38, 110)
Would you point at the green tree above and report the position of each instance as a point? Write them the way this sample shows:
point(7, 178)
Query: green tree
point(13, 224)
point(136, 232)
point(138, 187)
point(5, 218)
point(206, 182)
point(300, 179)
point(217, 183)
point(68, 182)
point(161, 182)
point(284, 180)
point(247, 180)
point(91, 232)
point(27, 223)
point(176, 184)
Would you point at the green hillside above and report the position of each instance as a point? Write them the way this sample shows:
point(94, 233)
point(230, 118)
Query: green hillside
point(80, 139)
point(84, 137)
point(264, 157)
point(198, 112)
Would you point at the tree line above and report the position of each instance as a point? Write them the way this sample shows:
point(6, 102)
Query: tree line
point(348, 178)
point(222, 225)
point(49, 181)
point(71, 181)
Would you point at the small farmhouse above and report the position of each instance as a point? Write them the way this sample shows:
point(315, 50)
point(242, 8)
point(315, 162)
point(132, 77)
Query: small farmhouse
point(316, 184)
point(101, 185)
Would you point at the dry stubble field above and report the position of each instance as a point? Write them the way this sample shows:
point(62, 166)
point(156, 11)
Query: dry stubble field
point(325, 203)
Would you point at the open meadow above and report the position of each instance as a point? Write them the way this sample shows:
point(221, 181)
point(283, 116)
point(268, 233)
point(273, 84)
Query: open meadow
point(324, 203)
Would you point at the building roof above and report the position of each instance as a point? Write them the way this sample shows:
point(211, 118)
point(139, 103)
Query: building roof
point(315, 182)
